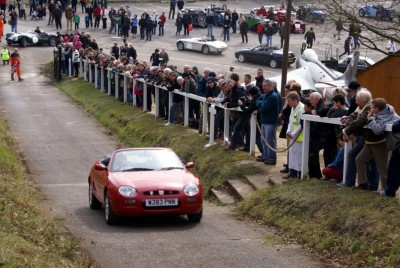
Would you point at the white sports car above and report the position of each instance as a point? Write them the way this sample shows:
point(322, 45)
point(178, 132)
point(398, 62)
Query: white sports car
point(206, 45)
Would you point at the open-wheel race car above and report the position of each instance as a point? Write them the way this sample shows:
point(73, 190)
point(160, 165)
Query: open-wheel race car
point(23, 39)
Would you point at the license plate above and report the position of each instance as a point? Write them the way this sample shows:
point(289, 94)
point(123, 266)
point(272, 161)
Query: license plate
point(291, 60)
point(161, 202)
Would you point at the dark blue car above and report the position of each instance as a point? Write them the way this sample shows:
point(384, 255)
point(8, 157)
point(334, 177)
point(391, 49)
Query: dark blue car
point(377, 11)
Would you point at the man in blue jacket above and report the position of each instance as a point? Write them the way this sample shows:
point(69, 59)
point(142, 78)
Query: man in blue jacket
point(268, 108)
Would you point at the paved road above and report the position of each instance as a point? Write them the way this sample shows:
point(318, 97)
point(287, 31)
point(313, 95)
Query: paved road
point(60, 142)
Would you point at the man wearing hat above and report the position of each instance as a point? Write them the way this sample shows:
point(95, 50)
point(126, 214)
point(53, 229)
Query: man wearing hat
point(5, 55)
point(15, 65)
point(352, 90)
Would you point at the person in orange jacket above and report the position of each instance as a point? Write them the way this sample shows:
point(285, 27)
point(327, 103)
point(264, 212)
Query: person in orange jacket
point(15, 61)
point(1, 26)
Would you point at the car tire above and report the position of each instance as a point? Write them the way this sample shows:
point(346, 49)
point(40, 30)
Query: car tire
point(361, 12)
point(94, 203)
point(273, 63)
point(195, 217)
point(180, 46)
point(52, 41)
point(205, 49)
point(111, 218)
point(241, 58)
point(201, 20)
point(23, 42)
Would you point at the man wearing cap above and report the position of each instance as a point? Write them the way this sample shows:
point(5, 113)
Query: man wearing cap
point(15, 65)
point(352, 89)
point(5, 55)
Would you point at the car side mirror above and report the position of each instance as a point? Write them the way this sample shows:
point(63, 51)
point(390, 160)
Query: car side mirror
point(100, 167)
point(189, 165)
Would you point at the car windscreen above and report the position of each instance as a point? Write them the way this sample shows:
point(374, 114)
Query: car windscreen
point(145, 160)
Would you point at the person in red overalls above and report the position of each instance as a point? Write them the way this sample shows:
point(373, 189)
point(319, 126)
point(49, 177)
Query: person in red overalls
point(15, 62)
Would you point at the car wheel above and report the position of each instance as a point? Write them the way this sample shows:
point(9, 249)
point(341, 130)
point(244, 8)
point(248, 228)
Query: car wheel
point(361, 12)
point(201, 20)
point(180, 46)
point(111, 218)
point(241, 58)
point(205, 50)
point(195, 217)
point(23, 42)
point(52, 41)
point(94, 203)
point(273, 63)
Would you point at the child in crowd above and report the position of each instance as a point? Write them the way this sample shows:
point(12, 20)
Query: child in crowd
point(335, 169)
point(76, 19)
point(87, 20)
point(34, 15)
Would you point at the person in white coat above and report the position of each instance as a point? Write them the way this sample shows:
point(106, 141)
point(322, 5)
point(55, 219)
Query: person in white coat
point(391, 47)
point(294, 133)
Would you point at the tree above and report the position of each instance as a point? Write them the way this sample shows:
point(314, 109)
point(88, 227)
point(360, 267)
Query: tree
point(375, 32)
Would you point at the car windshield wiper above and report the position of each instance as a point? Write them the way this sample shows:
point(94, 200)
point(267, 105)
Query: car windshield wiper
point(137, 169)
point(170, 168)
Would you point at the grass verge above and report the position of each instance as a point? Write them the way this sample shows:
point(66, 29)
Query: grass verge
point(28, 236)
point(355, 227)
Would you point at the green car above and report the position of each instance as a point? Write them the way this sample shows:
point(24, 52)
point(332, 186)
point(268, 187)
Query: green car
point(254, 20)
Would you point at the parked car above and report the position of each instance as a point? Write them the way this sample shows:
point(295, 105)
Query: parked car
point(206, 45)
point(363, 63)
point(378, 11)
point(23, 39)
point(144, 181)
point(263, 54)
point(199, 15)
point(297, 25)
point(310, 12)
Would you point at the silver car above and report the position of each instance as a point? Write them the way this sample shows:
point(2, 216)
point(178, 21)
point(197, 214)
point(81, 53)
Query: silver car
point(206, 45)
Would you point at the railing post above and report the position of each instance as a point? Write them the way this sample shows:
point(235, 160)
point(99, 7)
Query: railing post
point(109, 81)
point(157, 100)
point(81, 68)
point(116, 91)
point(69, 67)
point(347, 147)
point(226, 126)
point(102, 78)
point(205, 119)
point(134, 81)
point(186, 112)
point(85, 70)
point(96, 76)
point(90, 72)
point(125, 89)
point(145, 96)
point(170, 95)
point(306, 148)
point(253, 133)
point(213, 112)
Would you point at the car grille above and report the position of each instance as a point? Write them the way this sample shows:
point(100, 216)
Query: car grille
point(161, 192)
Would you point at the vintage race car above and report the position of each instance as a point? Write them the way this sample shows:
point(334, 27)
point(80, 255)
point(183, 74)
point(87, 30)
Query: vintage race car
point(144, 181)
point(311, 13)
point(199, 16)
point(297, 25)
point(205, 45)
point(266, 55)
point(23, 39)
point(377, 11)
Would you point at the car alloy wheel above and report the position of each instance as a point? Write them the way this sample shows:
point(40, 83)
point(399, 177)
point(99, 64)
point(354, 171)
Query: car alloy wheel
point(111, 219)
point(52, 41)
point(23, 42)
point(180, 46)
point(241, 58)
point(273, 63)
point(195, 217)
point(205, 50)
point(94, 203)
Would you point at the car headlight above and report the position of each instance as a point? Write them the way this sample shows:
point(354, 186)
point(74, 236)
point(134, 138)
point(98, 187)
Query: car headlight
point(127, 191)
point(191, 189)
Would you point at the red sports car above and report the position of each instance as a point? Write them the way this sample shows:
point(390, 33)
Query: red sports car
point(142, 181)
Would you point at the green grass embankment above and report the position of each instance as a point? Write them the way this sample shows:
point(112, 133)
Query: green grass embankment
point(29, 237)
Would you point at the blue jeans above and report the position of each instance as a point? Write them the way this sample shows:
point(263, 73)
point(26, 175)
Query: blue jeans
point(269, 40)
point(226, 34)
point(161, 30)
point(209, 30)
point(14, 27)
point(269, 134)
point(233, 27)
point(172, 110)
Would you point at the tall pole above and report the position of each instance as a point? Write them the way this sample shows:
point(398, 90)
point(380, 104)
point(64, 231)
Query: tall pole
point(286, 47)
